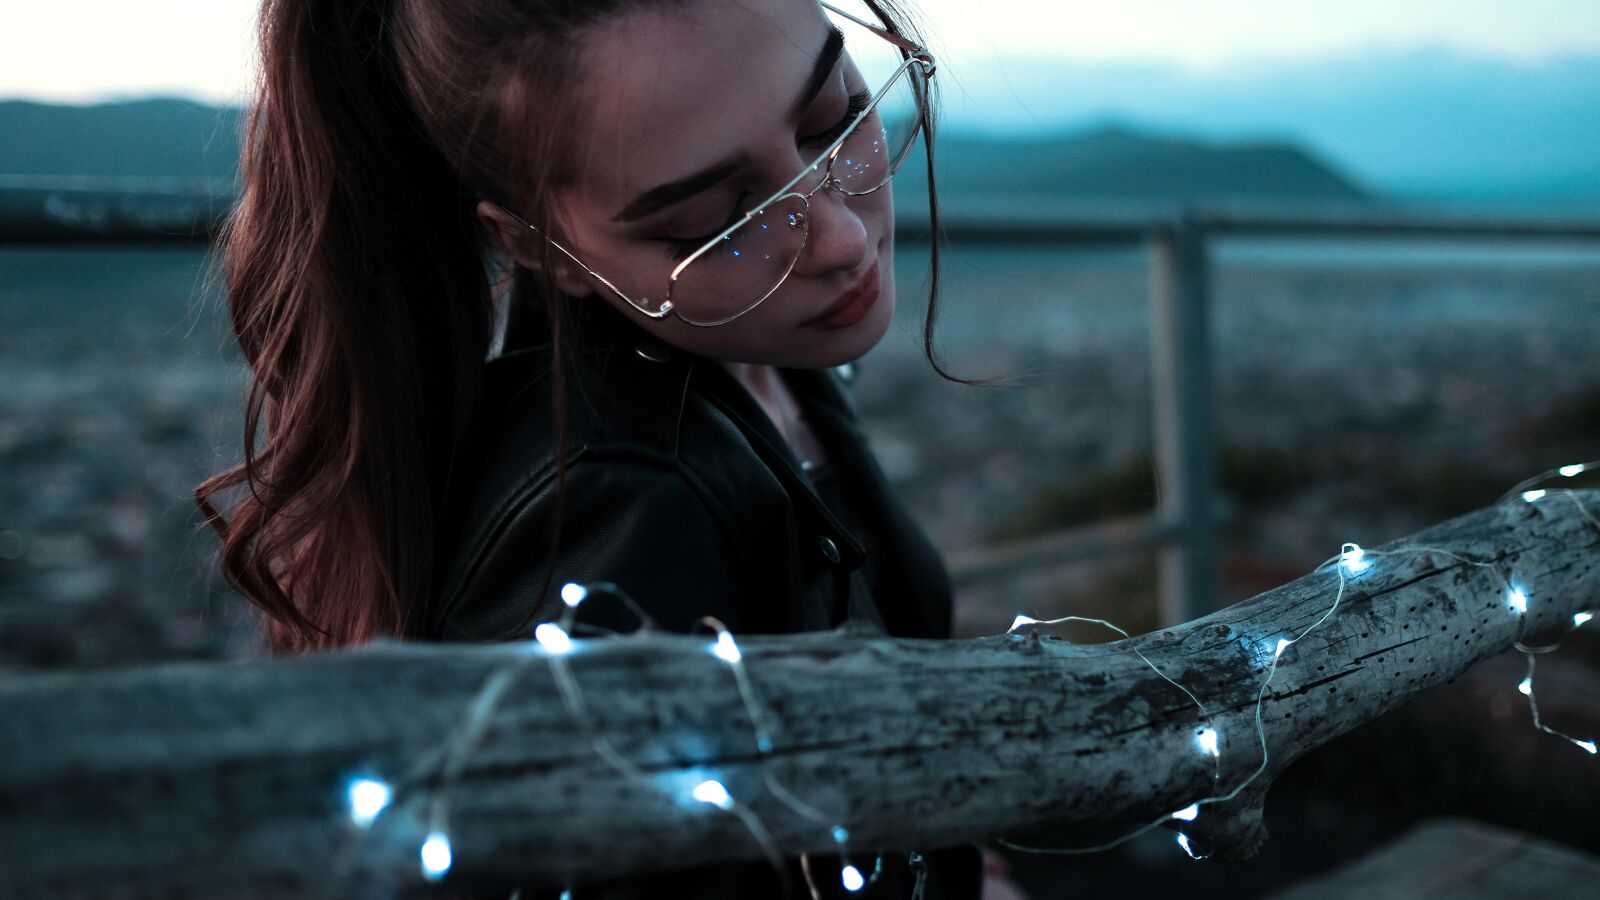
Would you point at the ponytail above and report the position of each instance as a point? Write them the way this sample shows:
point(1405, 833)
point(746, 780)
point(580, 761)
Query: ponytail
point(356, 287)
point(356, 279)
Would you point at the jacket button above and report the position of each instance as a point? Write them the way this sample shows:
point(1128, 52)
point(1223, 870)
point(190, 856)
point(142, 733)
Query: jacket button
point(652, 352)
point(829, 548)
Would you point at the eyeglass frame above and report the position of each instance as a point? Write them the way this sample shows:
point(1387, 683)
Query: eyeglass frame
point(914, 53)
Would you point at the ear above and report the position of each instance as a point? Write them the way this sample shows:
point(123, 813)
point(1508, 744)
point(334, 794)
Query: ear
point(527, 248)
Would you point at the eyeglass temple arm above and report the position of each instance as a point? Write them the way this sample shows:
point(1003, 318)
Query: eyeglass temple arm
point(665, 309)
point(911, 47)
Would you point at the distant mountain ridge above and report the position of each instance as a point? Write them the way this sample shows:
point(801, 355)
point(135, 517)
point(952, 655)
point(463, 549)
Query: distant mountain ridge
point(1119, 161)
point(1417, 122)
point(181, 138)
point(166, 137)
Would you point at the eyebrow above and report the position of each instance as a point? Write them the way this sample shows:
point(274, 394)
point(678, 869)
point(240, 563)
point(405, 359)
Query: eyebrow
point(663, 196)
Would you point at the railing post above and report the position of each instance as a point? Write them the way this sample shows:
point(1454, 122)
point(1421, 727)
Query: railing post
point(1180, 370)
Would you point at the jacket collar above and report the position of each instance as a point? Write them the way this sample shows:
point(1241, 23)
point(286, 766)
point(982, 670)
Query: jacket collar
point(615, 342)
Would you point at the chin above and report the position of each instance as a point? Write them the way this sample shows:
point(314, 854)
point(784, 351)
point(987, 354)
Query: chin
point(850, 344)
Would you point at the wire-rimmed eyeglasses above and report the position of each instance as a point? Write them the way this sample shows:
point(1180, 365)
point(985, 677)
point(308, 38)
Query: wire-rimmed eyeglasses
point(746, 262)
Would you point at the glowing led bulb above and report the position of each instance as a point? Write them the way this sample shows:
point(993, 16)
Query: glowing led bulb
point(1183, 841)
point(368, 797)
point(552, 638)
point(1282, 646)
point(1354, 559)
point(435, 856)
point(1206, 738)
point(1188, 813)
point(712, 792)
point(1020, 621)
point(573, 593)
point(851, 876)
point(1526, 687)
point(725, 648)
point(839, 834)
point(1572, 470)
point(1536, 494)
point(1587, 745)
point(1517, 600)
point(1580, 618)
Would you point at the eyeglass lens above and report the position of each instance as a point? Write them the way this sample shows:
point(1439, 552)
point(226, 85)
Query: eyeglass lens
point(747, 265)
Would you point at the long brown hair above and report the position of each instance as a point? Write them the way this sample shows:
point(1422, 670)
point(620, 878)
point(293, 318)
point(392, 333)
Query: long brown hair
point(362, 288)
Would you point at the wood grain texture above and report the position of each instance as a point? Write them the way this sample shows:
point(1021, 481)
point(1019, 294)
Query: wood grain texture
point(227, 780)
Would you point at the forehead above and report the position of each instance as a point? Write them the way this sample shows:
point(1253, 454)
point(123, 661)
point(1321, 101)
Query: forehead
point(667, 92)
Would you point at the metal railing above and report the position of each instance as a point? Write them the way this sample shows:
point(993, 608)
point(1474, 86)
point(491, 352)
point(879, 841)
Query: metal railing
point(144, 210)
point(93, 210)
point(1178, 240)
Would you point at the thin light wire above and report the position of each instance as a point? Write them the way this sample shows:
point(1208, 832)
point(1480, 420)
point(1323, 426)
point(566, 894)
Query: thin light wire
point(1533, 708)
point(1517, 490)
point(498, 681)
point(1339, 568)
point(1205, 714)
point(763, 732)
point(1217, 759)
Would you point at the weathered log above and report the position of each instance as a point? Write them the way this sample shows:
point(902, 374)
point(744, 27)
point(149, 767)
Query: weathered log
point(228, 780)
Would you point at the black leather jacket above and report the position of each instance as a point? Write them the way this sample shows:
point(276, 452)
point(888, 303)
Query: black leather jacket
point(681, 490)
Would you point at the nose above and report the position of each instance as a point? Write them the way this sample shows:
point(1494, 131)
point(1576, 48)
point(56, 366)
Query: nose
point(837, 237)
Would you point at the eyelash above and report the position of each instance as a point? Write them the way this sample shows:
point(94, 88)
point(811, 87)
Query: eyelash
point(680, 248)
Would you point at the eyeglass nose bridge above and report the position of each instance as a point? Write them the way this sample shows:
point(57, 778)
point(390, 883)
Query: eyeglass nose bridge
point(797, 219)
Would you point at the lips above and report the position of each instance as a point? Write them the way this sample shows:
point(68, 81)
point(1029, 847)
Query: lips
point(853, 305)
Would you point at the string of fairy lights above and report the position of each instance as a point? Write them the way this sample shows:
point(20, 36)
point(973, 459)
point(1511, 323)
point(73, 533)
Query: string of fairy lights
point(368, 795)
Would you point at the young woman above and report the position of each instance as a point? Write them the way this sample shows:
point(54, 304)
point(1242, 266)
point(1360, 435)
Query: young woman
point(549, 291)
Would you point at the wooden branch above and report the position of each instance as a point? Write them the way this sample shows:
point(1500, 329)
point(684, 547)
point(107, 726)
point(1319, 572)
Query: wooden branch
point(227, 780)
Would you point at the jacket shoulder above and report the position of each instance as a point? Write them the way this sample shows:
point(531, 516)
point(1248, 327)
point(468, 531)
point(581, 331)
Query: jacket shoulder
point(650, 526)
point(650, 503)
point(615, 392)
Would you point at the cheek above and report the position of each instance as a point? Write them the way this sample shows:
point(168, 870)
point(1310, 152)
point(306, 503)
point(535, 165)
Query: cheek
point(769, 334)
point(880, 204)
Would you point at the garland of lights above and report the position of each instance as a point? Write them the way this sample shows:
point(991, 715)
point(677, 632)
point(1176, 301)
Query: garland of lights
point(369, 796)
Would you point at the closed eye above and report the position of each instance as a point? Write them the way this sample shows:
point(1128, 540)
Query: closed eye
point(679, 249)
point(858, 104)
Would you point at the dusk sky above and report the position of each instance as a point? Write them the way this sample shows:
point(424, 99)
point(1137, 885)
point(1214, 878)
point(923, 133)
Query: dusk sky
point(95, 49)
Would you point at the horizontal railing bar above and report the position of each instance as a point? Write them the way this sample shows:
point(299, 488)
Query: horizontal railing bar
point(1068, 545)
point(1400, 222)
point(83, 210)
point(1002, 219)
point(1031, 220)
point(1123, 534)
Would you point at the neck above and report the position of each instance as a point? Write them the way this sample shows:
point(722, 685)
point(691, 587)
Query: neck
point(761, 380)
point(774, 398)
